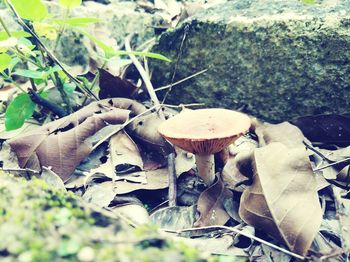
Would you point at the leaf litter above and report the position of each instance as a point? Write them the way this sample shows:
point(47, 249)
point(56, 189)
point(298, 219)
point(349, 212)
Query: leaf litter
point(264, 206)
point(279, 197)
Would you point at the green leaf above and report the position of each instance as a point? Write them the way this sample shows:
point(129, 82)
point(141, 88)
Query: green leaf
point(308, 2)
point(110, 52)
point(147, 54)
point(33, 10)
point(5, 61)
point(29, 73)
point(19, 110)
point(70, 3)
point(17, 34)
point(69, 87)
point(77, 21)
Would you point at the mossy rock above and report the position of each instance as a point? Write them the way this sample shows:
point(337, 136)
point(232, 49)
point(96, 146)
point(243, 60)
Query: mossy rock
point(275, 59)
point(38, 223)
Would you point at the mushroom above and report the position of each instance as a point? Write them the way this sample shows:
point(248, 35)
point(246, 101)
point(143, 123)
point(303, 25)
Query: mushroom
point(205, 132)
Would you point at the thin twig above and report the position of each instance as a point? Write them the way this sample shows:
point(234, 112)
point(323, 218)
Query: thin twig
point(332, 164)
point(155, 100)
point(262, 241)
point(181, 81)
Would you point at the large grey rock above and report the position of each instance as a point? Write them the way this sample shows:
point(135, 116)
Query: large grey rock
point(277, 59)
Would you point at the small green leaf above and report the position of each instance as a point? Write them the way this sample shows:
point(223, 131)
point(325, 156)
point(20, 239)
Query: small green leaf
point(147, 54)
point(19, 110)
point(33, 10)
point(69, 87)
point(70, 3)
point(17, 34)
point(77, 21)
point(5, 61)
point(308, 2)
point(45, 30)
point(108, 50)
point(29, 73)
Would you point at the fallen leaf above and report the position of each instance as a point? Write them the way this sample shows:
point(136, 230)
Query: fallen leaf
point(124, 154)
point(156, 179)
point(52, 179)
point(184, 161)
point(343, 213)
point(100, 194)
point(62, 144)
point(211, 205)
point(136, 213)
point(175, 218)
point(283, 200)
point(114, 86)
point(284, 133)
point(145, 129)
point(327, 129)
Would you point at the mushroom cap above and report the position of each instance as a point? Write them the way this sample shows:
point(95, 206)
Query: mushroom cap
point(205, 131)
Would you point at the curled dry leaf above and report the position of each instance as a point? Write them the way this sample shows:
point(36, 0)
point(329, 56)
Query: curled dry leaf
point(145, 129)
point(62, 144)
point(283, 200)
point(184, 161)
point(211, 205)
point(284, 133)
point(124, 154)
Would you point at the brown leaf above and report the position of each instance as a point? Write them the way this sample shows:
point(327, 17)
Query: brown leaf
point(284, 133)
point(62, 144)
point(125, 155)
point(283, 200)
point(155, 179)
point(114, 86)
point(145, 129)
point(211, 205)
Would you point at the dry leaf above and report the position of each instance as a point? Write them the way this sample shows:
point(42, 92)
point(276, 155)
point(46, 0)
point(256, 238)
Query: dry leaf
point(136, 213)
point(62, 144)
point(211, 205)
point(52, 179)
point(184, 161)
point(175, 218)
point(145, 129)
point(124, 154)
point(101, 194)
point(283, 200)
point(284, 133)
point(114, 86)
point(156, 179)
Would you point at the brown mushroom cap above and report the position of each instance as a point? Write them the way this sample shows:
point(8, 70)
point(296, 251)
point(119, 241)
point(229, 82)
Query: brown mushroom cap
point(205, 131)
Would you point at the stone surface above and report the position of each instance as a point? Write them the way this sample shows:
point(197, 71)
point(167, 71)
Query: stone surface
point(276, 59)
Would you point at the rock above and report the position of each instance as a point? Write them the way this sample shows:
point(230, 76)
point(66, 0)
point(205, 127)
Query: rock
point(275, 59)
point(39, 223)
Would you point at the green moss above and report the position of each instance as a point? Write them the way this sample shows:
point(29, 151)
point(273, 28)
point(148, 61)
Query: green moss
point(277, 60)
point(38, 223)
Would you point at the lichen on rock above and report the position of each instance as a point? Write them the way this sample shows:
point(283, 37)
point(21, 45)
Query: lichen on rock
point(276, 59)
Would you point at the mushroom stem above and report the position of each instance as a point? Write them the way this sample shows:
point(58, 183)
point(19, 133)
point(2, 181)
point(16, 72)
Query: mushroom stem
point(206, 168)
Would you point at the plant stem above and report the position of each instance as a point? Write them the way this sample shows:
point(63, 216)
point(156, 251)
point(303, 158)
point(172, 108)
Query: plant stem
point(7, 78)
point(63, 93)
point(5, 27)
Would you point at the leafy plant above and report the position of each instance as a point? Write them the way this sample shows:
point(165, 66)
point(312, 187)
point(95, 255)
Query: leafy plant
point(24, 54)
